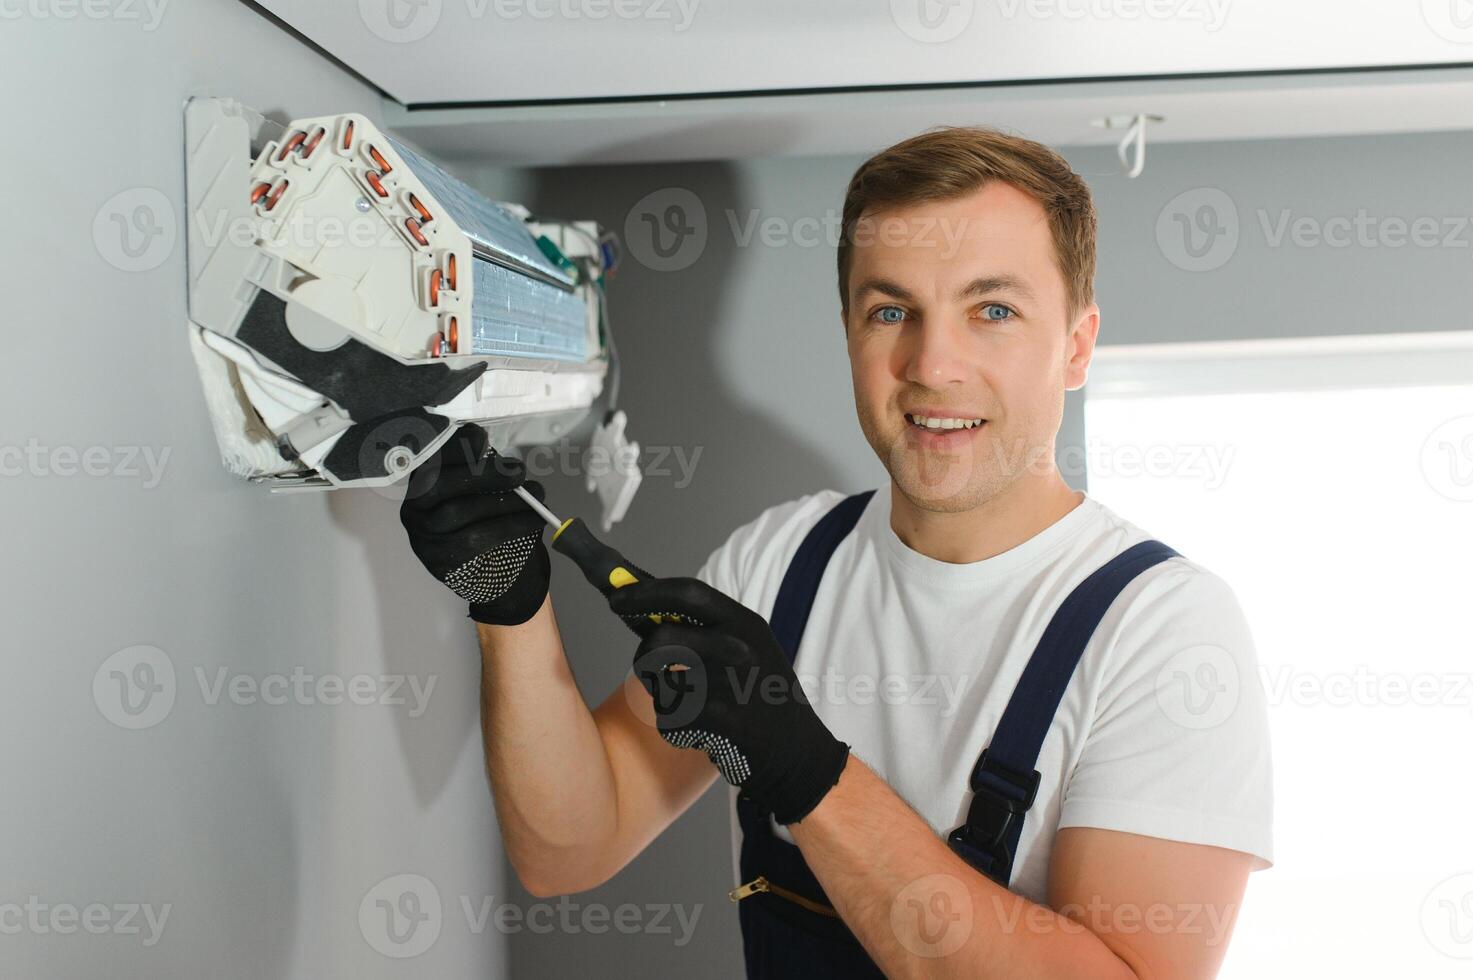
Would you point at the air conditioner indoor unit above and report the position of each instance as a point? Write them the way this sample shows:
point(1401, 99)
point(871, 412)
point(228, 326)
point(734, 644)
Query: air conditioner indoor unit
point(352, 303)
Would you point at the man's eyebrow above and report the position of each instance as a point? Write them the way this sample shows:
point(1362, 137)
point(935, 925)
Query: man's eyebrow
point(1004, 282)
point(996, 284)
point(886, 286)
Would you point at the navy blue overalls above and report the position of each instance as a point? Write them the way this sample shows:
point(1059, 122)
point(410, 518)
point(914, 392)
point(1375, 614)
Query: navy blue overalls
point(791, 930)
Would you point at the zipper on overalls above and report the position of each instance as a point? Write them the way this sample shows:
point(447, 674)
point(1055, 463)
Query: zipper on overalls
point(761, 884)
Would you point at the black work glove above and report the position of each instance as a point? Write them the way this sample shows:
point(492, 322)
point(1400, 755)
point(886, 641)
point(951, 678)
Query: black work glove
point(473, 533)
point(738, 699)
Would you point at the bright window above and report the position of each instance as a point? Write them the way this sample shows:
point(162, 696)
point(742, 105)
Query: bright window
point(1331, 484)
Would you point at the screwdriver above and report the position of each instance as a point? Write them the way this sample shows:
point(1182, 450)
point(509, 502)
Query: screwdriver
point(605, 569)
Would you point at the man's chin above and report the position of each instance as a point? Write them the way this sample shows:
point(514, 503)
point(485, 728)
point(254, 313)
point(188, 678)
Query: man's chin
point(936, 499)
point(935, 480)
point(940, 483)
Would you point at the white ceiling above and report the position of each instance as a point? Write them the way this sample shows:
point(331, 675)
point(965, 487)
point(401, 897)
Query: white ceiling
point(457, 51)
point(853, 123)
point(552, 82)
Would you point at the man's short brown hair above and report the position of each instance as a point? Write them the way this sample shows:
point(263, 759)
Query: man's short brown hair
point(953, 161)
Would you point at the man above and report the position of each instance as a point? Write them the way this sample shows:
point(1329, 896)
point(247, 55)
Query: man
point(1117, 845)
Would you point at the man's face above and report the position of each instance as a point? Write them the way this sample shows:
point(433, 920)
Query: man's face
point(956, 312)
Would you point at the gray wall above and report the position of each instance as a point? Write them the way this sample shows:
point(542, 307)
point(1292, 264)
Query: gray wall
point(261, 826)
point(739, 353)
point(1405, 268)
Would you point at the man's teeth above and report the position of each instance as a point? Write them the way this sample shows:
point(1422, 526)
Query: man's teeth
point(927, 422)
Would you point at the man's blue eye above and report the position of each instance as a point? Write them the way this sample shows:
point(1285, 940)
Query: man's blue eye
point(889, 314)
point(987, 315)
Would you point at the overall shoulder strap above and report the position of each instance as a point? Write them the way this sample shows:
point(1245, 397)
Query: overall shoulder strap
point(794, 602)
point(800, 583)
point(1005, 778)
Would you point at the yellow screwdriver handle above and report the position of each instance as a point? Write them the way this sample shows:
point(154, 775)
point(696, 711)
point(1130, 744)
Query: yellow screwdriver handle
point(605, 569)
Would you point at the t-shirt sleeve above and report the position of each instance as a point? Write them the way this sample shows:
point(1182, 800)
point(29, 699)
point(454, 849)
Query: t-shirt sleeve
point(726, 568)
point(1179, 743)
point(748, 563)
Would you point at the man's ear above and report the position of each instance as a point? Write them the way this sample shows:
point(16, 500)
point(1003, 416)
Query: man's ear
point(1080, 347)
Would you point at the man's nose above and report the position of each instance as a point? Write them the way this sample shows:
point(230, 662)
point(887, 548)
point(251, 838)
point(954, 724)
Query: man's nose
point(937, 354)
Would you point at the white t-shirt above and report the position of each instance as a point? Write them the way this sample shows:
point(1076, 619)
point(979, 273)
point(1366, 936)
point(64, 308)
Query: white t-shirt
point(1162, 731)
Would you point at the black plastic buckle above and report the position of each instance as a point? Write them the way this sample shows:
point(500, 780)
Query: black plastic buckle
point(982, 840)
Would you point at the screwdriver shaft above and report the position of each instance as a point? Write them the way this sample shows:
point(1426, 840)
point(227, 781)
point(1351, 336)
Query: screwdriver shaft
point(535, 504)
point(605, 569)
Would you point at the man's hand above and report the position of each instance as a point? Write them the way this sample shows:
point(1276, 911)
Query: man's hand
point(473, 533)
point(737, 697)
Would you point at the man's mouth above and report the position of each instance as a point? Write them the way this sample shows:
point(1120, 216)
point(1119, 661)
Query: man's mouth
point(935, 423)
point(941, 431)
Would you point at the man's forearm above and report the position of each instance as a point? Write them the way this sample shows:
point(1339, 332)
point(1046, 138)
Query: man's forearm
point(550, 775)
point(920, 910)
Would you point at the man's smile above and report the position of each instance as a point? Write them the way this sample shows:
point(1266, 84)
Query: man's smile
point(942, 429)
